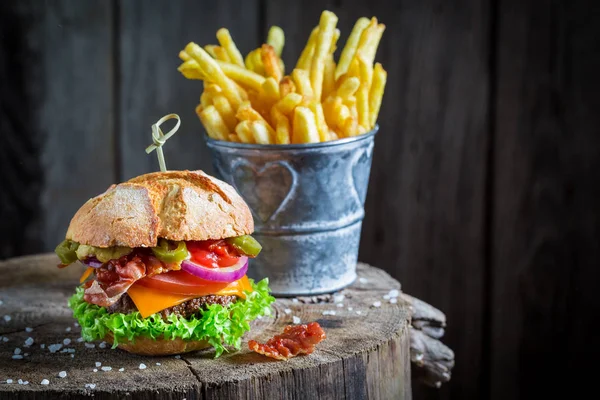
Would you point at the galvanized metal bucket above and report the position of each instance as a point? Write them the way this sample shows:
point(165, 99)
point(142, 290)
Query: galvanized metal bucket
point(308, 206)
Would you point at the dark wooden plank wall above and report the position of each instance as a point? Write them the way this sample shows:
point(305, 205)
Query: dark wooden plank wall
point(61, 137)
point(150, 85)
point(484, 189)
point(546, 211)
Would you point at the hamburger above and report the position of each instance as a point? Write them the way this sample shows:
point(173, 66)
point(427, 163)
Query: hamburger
point(166, 256)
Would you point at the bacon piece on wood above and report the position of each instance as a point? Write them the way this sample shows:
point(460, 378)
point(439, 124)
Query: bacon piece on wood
point(296, 339)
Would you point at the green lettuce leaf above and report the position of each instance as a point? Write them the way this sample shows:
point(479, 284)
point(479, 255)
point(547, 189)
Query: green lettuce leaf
point(218, 325)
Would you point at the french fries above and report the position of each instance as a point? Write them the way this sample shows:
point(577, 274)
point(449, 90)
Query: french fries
point(276, 39)
point(230, 48)
point(251, 99)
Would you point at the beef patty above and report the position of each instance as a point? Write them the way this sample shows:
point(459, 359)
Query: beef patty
point(186, 309)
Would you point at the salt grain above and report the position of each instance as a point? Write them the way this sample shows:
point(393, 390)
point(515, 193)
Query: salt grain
point(340, 305)
point(158, 364)
point(25, 355)
point(29, 341)
point(17, 351)
point(393, 300)
point(7, 318)
point(72, 355)
point(328, 312)
point(75, 324)
point(28, 329)
point(95, 370)
point(90, 345)
point(296, 320)
point(294, 300)
point(42, 346)
point(121, 369)
point(20, 381)
point(142, 366)
point(9, 381)
point(102, 345)
point(80, 339)
point(106, 369)
point(363, 280)
point(68, 329)
point(338, 298)
point(67, 341)
point(62, 374)
point(287, 311)
point(90, 386)
point(54, 347)
point(377, 304)
point(1, 302)
point(5, 339)
point(98, 364)
point(17, 357)
point(394, 293)
point(359, 312)
point(386, 297)
point(350, 308)
point(177, 356)
point(45, 382)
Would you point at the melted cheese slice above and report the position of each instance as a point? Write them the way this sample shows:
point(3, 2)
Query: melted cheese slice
point(86, 274)
point(149, 301)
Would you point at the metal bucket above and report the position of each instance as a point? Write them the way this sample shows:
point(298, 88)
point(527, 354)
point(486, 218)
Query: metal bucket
point(308, 206)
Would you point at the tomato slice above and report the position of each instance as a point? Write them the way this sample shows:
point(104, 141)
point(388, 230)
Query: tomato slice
point(213, 253)
point(181, 282)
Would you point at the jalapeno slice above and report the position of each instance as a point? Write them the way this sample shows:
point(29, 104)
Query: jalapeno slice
point(245, 244)
point(66, 251)
point(166, 254)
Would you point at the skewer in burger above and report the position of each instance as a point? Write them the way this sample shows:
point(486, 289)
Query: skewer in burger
point(167, 255)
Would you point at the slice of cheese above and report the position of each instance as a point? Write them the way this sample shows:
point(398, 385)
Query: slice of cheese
point(86, 274)
point(149, 301)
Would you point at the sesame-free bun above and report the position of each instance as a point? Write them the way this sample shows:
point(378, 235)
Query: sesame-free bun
point(159, 347)
point(175, 205)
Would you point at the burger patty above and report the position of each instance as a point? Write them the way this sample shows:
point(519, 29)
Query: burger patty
point(186, 309)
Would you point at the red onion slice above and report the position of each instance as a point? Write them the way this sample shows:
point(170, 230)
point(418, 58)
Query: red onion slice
point(228, 274)
point(92, 262)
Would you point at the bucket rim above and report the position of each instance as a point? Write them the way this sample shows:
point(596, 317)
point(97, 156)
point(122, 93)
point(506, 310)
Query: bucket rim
point(297, 146)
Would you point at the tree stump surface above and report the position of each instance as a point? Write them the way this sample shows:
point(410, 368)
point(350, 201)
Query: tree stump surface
point(366, 354)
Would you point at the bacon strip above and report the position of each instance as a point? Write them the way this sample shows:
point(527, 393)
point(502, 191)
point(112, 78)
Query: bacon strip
point(116, 276)
point(295, 339)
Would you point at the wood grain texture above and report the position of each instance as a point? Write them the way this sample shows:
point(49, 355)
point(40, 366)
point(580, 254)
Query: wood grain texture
point(76, 118)
point(151, 37)
point(365, 356)
point(426, 202)
point(57, 117)
point(20, 165)
point(546, 200)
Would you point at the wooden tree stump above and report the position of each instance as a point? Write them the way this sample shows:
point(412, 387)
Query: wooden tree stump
point(366, 354)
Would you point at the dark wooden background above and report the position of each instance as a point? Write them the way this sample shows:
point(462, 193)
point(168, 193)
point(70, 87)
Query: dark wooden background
point(485, 192)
